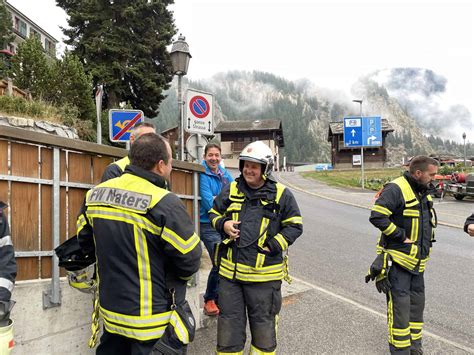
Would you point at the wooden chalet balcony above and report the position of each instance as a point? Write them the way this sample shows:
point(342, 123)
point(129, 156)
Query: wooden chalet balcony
point(238, 146)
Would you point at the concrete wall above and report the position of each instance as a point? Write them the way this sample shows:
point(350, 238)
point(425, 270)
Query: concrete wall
point(64, 329)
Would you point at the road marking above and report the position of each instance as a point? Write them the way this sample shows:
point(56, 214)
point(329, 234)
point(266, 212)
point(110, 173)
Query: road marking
point(286, 182)
point(382, 315)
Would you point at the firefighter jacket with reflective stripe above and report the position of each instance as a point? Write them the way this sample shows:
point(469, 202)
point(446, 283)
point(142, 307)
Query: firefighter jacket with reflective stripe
point(7, 258)
point(145, 244)
point(269, 216)
point(403, 210)
point(115, 169)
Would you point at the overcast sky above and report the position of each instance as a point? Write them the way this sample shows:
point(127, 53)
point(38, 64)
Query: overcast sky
point(329, 42)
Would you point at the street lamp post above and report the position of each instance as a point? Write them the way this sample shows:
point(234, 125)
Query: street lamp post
point(362, 147)
point(464, 138)
point(180, 57)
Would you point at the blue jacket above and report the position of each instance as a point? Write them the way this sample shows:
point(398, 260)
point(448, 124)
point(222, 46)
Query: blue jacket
point(210, 186)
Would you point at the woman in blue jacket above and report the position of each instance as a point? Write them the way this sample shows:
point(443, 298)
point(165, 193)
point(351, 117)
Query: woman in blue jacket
point(211, 183)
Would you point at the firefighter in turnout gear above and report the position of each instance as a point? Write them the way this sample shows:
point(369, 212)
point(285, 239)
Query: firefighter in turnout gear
point(146, 250)
point(258, 220)
point(405, 215)
point(117, 168)
point(7, 281)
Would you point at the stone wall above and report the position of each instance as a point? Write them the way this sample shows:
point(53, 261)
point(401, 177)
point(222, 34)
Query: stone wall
point(39, 126)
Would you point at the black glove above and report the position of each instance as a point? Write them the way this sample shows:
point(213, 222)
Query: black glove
point(383, 285)
point(379, 272)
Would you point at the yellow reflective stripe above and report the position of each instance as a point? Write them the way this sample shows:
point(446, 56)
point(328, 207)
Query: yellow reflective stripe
point(235, 216)
point(292, 220)
point(390, 229)
point(237, 353)
point(402, 259)
point(407, 191)
point(263, 227)
point(390, 316)
point(382, 210)
point(148, 321)
point(179, 328)
point(416, 325)
point(416, 336)
point(214, 221)
point(414, 229)
point(229, 253)
point(401, 332)
point(280, 189)
point(139, 334)
point(127, 217)
point(411, 213)
point(212, 210)
point(184, 246)
point(234, 193)
point(250, 269)
point(144, 272)
point(235, 206)
point(282, 241)
point(260, 260)
point(401, 343)
point(122, 163)
point(411, 204)
point(256, 351)
point(81, 222)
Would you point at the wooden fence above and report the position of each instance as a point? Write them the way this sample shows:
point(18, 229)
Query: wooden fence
point(44, 178)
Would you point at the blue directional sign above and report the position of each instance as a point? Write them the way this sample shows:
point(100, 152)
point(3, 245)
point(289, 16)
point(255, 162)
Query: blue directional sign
point(121, 122)
point(362, 132)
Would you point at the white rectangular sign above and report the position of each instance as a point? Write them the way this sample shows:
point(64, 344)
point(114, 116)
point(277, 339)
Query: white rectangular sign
point(199, 112)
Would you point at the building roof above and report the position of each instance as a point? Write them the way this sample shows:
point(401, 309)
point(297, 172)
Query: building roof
point(245, 126)
point(336, 128)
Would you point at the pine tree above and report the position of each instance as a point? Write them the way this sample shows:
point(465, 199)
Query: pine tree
point(6, 34)
point(122, 45)
point(30, 69)
point(72, 86)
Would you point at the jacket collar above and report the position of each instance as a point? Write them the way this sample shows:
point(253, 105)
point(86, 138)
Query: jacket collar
point(415, 185)
point(155, 179)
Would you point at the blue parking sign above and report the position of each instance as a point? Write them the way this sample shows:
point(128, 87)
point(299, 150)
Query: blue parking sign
point(362, 132)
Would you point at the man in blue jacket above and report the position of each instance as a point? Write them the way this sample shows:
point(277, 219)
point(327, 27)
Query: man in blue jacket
point(211, 183)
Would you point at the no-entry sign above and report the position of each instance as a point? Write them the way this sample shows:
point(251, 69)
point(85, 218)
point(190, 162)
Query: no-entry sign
point(199, 115)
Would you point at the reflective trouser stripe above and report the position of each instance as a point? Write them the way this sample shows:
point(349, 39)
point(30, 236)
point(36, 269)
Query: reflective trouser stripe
point(255, 351)
point(234, 353)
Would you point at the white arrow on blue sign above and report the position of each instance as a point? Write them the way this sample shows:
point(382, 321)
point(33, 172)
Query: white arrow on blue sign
point(362, 132)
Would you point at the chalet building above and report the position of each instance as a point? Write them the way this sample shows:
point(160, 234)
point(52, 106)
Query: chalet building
point(346, 158)
point(235, 135)
point(24, 28)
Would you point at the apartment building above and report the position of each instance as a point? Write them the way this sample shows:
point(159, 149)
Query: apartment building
point(23, 28)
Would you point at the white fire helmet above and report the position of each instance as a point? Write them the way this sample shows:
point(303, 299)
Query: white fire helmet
point(257, 152)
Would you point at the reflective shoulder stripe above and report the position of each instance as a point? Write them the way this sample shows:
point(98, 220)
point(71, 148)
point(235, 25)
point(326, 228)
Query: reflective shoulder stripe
point(280, 189)
point(122, 163)
point(6, 240)
point(5, 283)
point(383, 210)
point(407, 191)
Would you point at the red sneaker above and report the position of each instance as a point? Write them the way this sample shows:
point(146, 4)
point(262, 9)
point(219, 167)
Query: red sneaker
point(210, 308)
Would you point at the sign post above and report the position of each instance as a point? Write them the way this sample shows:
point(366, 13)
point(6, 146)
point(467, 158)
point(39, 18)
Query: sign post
point(121, 122)
point(362, 132)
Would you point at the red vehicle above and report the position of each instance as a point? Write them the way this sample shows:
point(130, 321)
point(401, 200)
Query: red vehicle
point(460, 185)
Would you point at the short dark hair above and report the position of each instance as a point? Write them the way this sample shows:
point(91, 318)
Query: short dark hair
point(421, 163)
point(148, 150)
point(140, 125)
point(212, 145)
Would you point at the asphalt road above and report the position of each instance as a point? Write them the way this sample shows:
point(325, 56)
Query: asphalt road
point(340, 314)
